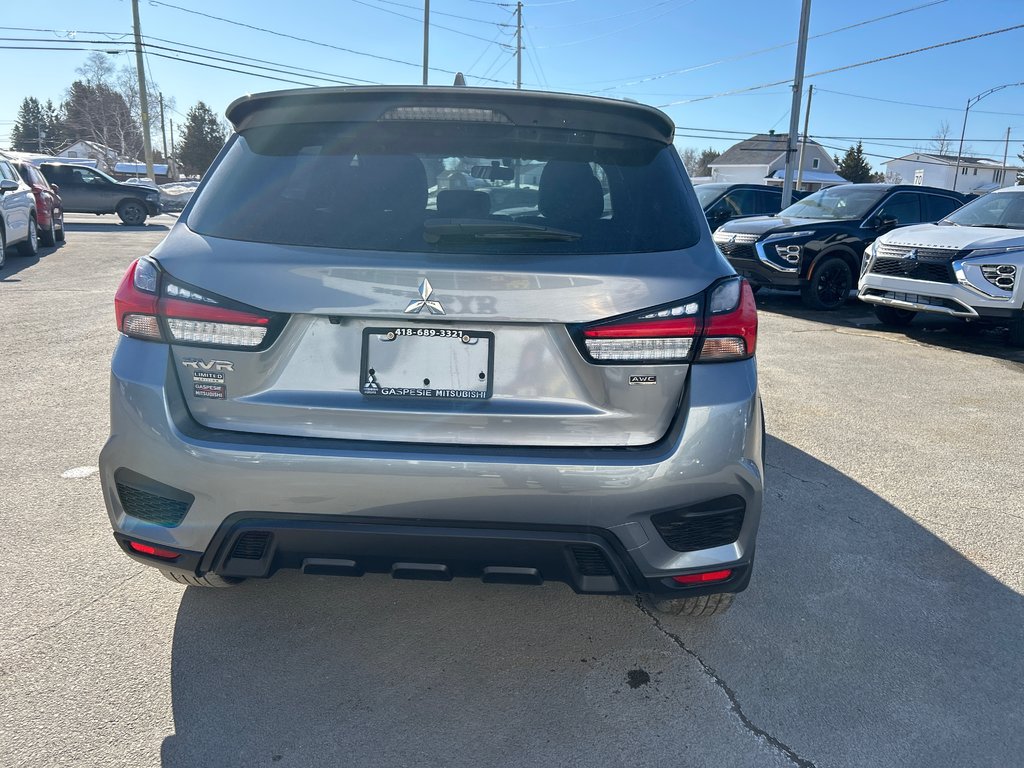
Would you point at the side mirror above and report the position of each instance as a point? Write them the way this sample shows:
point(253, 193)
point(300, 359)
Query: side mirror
point(55, 188)
point(6, 185)
point(883, 223)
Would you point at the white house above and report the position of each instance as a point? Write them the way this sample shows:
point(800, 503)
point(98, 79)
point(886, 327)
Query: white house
point(977, 174)
point(761, 159)
point(104, 156)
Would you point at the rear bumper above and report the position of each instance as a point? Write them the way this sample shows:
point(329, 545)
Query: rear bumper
point(336, 488)
point(257, 545)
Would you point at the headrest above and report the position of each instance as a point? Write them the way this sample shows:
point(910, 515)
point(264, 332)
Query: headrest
point(570, 191)
point(463, 204)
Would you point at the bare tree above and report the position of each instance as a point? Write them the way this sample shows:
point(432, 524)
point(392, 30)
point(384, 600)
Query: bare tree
point(942, 140)
point(690, 158)
point(893, 177)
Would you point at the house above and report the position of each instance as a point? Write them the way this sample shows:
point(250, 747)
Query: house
point(976, 174)
point(133, 170)
point(761, 159)
point(104, 156)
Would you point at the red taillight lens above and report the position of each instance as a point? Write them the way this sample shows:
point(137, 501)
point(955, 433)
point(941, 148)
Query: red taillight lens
point(147, 301)
point(702, 578)
point(146, 549)
point(135, 303)
point(730, 329)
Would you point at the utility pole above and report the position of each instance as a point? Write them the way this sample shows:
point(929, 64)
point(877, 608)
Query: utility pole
point(803, 144)
point(1006, 151)
point(143, 100)
point(519, 44)
point(175, 168)
point(163, 125)
point(426, 38)
point(794, 112)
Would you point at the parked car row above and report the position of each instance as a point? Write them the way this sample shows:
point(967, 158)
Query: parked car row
point(31, 210)
point(964, 265)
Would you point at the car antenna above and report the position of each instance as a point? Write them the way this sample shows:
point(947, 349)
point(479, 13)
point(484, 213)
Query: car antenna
point(459, 79)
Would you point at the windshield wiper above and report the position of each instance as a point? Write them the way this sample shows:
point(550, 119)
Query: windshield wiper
point(475, 229)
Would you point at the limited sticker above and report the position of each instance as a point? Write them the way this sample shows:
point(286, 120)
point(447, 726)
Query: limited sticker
point(209, 391)
point(635, 380)
point(207, 377)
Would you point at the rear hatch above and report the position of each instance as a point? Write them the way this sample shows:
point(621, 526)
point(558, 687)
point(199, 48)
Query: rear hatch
point(441, 266)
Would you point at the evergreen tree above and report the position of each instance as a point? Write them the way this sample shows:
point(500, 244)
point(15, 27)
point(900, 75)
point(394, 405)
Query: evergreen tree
point(31, 122)
point(854, 166)
point(201, 139)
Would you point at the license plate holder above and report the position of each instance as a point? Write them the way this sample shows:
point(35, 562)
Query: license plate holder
point(427, 363)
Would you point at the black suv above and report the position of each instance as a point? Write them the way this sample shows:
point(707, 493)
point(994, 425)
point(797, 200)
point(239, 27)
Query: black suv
point(724, 202)
point(87, 190)
point(816, 245)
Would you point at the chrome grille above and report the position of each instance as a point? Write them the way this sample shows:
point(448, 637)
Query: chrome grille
point(889, 251)
point(739, 238)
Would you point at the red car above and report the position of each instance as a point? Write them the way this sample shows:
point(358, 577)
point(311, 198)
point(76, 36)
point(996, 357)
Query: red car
point(49, 209)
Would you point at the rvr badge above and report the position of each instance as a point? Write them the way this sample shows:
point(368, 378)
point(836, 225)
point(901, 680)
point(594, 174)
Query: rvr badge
point(208, 365)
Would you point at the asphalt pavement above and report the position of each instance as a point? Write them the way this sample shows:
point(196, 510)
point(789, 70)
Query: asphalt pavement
point(883, 626)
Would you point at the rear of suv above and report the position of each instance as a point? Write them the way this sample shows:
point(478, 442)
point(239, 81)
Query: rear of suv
point(339, 361)
point(969, 265)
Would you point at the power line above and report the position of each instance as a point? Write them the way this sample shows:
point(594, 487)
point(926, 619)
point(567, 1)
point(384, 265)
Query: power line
point(418, 20)
point(912, 104)
point(619, 30)
point(598, 19)
point(285, 35)
point(440, 13)
point(749, 54)
point(850, 66)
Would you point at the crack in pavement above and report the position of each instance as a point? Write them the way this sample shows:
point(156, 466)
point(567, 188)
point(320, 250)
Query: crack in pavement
point(78, 610)
point(777, 468)
point(734, 703)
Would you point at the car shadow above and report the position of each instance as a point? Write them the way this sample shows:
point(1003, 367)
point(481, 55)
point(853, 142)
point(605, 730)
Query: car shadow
point(111, 226)
point(932, 330)
point(16, 263)
point(864, 639)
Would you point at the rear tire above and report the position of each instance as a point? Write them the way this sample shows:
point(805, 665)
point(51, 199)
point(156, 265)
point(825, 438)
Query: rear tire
point(132, 213)
point(30, 247)
point(209, 580)
point(48, 236)
point(3, 248)
point(893, 317)
point(1015, 337)
point(60, 228)
point(829, 286)
point(703, 605)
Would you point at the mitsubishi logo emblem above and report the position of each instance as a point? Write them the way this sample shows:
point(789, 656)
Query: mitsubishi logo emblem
point(909, 262)
point(425, 301)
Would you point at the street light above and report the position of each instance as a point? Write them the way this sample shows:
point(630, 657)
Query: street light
point(970, 103)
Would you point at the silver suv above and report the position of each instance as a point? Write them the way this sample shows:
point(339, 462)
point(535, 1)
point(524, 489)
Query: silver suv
point(437, 333)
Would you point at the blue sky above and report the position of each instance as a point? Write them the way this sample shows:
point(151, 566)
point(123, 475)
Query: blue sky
point(606, 47)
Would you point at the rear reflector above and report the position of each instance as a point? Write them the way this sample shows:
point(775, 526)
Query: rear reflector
point(146, 549)
point(702, 578)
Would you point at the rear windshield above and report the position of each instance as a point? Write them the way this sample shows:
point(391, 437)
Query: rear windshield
point(447, 188)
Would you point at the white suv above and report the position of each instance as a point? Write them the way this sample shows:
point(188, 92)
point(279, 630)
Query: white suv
point(968, 265)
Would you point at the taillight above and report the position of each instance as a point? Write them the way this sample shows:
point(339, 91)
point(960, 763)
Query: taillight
point(662, 335)
point(154, 306)
point(716, 326)
point(730, 326)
